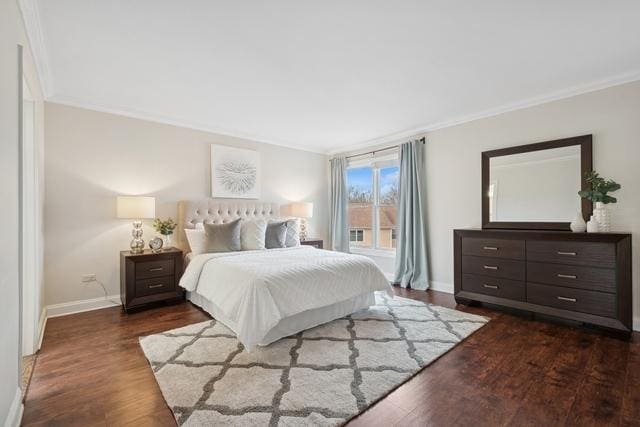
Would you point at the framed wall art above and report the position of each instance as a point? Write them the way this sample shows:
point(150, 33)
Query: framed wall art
point(235, 173)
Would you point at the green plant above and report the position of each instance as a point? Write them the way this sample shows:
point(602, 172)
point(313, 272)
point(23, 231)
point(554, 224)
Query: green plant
point(164, 227)
point(600, 188)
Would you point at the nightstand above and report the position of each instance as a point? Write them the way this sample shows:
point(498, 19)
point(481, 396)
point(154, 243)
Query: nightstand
point(150, 277)
point(316, 243)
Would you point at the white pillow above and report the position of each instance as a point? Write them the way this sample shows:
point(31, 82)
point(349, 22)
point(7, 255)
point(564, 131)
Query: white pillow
point(196, 238)
point(252, 234)
point(293, 233)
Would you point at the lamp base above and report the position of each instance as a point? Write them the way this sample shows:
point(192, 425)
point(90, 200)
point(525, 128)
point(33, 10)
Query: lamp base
point(304, 230)
point(137, 244)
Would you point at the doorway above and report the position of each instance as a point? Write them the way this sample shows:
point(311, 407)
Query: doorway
point(30, 239)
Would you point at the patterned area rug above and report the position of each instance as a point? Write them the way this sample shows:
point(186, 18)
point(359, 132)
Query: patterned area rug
point(322, 376)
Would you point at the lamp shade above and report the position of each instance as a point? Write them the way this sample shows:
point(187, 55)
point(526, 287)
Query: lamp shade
point(136, 207)
point(300, 209)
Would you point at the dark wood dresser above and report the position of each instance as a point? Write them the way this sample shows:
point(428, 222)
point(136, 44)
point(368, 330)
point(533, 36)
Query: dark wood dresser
point(150, 277)
point(584, 277)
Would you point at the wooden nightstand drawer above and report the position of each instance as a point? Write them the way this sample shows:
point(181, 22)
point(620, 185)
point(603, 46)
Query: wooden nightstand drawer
point(158, 268)
point(156, 285)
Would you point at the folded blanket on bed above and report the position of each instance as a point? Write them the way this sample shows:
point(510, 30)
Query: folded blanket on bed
point(257, 289)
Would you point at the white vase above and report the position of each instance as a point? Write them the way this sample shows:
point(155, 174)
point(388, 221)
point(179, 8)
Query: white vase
point(603, 217)
point(578, 225)
point(166, 242)
point(592, 225)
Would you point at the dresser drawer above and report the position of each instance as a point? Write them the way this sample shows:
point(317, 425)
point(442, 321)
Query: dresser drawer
point(156, 285)
point(145, 270)
point(495, 248)
point(572, 276)
point(494, 267)
point(502, 288)
point(593, 254)
point(591, 302)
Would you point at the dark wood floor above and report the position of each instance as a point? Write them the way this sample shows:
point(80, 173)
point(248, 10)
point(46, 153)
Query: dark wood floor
point(514, 371)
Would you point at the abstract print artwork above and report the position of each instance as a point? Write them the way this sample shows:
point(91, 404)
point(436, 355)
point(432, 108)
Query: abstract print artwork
point(235, 173)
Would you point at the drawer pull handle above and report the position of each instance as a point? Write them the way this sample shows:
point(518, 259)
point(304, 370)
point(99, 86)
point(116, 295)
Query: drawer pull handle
point(490, 248)
point(567, 299)
point(490, 286)
point(156, 269)
point(161, 285)
point(567, 253)
point(490, 267)
point(567, 276)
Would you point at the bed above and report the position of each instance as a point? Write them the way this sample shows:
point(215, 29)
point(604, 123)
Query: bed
point(266, 295)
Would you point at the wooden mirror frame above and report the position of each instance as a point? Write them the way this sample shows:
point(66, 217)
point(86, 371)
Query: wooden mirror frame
point(586, 165)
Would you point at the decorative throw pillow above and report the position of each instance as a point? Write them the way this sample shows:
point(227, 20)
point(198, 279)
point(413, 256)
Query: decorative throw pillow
point(276, 235)
point(252, 234)
point(223, 237)
point(293, 233)
point(196, 238)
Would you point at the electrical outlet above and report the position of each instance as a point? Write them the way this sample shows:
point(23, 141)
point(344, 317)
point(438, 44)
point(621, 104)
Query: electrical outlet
point(86, 278)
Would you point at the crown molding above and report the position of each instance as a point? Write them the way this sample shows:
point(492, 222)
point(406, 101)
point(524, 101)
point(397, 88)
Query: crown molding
point(35, 35)
point(157, 118)
point(520, 105)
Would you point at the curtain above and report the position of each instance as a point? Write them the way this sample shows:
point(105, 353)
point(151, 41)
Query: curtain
point(411, 247)
point(339, 220)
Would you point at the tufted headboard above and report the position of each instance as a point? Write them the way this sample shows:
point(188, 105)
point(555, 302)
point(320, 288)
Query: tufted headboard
point(211, 211)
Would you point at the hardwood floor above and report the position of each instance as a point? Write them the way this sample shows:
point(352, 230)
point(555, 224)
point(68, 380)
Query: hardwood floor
point(514, 371)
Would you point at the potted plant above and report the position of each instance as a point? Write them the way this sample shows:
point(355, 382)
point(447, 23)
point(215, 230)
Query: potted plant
point(599, 193)
point(166, 229)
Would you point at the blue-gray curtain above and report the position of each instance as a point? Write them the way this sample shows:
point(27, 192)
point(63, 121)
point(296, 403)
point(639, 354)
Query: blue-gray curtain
point(339, 199)
point(411, 247)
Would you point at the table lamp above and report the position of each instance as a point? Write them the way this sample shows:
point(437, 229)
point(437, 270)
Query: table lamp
point(136, 208)
point(302, 210)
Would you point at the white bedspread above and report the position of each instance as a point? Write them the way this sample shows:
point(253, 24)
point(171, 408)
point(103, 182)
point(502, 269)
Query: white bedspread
point(256, 289)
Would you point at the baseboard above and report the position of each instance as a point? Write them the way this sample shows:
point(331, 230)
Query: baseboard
point(42, 325)
point(441, 287)
point(14, 417)
point(72, 307)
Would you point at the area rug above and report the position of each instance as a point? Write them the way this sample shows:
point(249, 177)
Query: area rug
point(322, 376)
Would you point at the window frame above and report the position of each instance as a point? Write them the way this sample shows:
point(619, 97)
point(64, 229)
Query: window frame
point(375, 163)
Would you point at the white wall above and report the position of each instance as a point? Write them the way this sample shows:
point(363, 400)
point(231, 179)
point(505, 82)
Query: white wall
point(11, 34)
point(453, 164)
point(92, 157)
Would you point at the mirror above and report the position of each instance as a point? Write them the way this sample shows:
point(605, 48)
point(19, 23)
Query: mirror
point(536, 186)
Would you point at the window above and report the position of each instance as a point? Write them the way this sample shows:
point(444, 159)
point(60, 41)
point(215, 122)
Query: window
point(373, 200)
point(356, 235)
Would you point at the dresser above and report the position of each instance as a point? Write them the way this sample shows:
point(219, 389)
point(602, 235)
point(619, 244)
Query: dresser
point(150, 277)
point(584, 277)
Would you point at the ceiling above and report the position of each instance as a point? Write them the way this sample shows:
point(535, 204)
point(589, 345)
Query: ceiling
point(328, 75)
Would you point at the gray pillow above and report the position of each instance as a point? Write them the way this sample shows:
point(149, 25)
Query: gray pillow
point(276, 235)
point(222, 237)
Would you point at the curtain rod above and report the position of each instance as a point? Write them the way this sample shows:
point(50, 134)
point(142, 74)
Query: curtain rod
point(423, 140)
